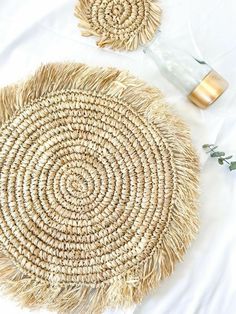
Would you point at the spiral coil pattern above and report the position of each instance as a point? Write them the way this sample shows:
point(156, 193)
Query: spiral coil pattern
point(98, 189)
point(84, 185)
point(121, 24)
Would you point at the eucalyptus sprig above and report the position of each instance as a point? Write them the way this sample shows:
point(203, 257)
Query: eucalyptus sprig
point(222, 158)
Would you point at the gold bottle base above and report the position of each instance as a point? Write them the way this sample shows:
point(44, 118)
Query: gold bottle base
point(209, 90)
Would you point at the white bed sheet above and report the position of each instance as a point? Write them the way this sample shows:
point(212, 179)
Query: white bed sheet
point(35, 32)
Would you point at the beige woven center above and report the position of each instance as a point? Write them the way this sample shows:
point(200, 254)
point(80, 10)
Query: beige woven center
point(86, 188)
point(120, 18)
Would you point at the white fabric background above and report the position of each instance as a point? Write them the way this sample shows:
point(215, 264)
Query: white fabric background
point(34, 32)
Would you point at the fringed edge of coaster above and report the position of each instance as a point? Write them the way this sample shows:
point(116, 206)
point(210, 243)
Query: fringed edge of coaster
point(146, 33)
point(183, 222)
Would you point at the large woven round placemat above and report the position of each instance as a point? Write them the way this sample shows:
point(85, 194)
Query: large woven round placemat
point(120, 24)
point(98, 189)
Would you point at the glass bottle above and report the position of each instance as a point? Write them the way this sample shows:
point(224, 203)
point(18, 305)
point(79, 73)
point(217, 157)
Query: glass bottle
point(201, 84)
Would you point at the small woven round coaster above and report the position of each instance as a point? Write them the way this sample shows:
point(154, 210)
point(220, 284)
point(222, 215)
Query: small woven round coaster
point(98, 189)
point(120, 24)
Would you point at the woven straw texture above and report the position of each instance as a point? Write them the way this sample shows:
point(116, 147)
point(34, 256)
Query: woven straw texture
point(98, 189)
point(120, 24)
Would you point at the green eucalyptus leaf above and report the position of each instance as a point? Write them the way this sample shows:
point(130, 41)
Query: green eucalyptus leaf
point(229, 157)
point(217, 154)
point(221, 161)
point(205, 146)
point(232, 166)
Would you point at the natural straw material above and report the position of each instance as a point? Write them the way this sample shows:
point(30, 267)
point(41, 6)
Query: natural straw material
point(120, 24)
point(98, 188)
